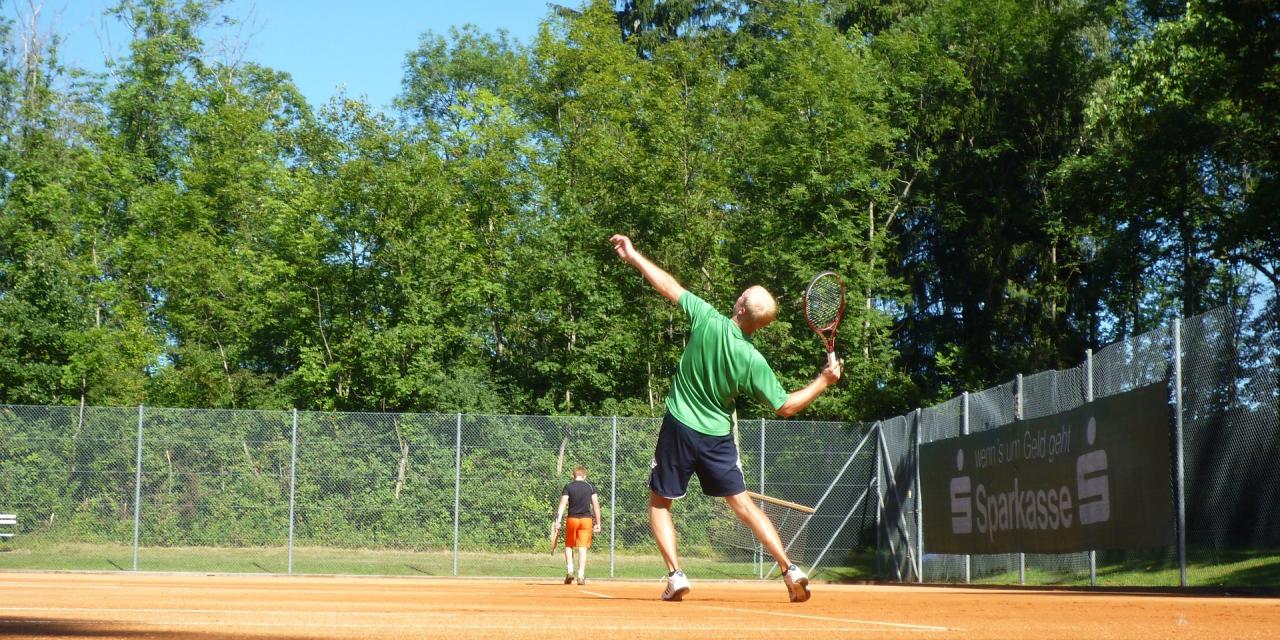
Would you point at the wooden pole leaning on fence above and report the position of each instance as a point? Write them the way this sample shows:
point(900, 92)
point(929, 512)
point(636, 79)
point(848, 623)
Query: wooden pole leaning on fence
point(781, 503)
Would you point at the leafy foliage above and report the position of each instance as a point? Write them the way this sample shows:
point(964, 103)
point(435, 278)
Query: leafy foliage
point(1002, 183)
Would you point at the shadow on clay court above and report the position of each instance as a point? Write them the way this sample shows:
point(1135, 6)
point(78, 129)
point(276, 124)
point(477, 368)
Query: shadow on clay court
point(63, 628)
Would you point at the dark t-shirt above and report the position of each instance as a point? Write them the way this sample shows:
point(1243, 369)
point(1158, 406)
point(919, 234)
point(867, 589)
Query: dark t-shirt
point(579, 492)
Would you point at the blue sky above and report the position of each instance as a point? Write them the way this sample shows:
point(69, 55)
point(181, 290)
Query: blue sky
point(359, 44)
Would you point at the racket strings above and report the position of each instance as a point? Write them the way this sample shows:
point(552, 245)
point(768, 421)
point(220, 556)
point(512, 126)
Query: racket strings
point(823, 301)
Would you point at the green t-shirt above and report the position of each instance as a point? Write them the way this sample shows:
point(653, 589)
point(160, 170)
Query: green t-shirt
point(718, 364)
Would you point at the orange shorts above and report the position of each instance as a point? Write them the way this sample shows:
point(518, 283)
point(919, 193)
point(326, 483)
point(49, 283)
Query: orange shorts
point(577, 532)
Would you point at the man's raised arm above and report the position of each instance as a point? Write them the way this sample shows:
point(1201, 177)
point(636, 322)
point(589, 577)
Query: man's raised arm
point(661, 280)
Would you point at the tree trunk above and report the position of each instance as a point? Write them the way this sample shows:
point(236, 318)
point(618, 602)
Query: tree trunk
point(404, 461)
point(564, 442)
point(226, 370)
point(649, 383)
point(253, 466)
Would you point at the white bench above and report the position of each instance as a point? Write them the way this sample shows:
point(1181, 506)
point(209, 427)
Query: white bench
point(8, 520)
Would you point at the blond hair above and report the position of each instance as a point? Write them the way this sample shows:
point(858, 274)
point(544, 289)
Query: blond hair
point(760, 308)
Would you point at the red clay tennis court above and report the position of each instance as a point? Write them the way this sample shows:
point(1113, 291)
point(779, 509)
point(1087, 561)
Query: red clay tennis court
point(80, 605)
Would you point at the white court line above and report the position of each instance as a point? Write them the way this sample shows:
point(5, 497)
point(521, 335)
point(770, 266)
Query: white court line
point(912, 627)
point(916, 627)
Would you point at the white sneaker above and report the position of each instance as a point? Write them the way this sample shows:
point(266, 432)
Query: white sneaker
point(677, 587)
point(568, 578)
point(582, 580)
point(797, 583)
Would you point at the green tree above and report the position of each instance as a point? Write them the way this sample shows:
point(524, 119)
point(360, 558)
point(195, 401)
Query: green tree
point(991, 262)
point(632, 148)
point(205, 202)
point(1180, 160)
point(823, 173)
point(71, 332)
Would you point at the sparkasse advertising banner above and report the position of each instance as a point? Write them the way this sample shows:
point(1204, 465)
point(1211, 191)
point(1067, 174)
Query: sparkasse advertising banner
point(1095, 477)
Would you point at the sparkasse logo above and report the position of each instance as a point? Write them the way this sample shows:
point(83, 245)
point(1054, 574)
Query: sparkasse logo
point(1016, 506)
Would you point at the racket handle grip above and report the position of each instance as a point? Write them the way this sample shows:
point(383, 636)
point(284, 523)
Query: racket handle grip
point(831, 359)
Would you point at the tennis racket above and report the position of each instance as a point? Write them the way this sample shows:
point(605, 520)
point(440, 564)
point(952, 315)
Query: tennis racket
point(555, 536)
point(824, 308)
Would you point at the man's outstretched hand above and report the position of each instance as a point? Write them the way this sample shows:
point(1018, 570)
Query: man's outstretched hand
point(622, 245)
point(668, 286)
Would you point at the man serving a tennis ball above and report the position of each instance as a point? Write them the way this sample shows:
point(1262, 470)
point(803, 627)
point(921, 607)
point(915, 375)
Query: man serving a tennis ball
point(718, 364)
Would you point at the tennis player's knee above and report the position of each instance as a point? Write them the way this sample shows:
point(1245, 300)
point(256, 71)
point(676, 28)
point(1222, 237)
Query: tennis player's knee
point(742, 506)
point(659, 502)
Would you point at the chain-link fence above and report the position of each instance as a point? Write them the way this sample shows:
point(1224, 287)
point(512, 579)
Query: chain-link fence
point(285, 492)
point(449, 494)
point(1222, 368)
point(1231, 440)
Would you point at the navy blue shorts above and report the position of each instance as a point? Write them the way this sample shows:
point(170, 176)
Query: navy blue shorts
point(682, 452)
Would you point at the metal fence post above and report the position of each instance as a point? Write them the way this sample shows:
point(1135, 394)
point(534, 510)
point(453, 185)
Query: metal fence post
point(879, 507)
point(919, 504)
point(964, 431)
point(613, 493)
point(760, 547)
point(293, 482)
point(1180, 481)
point(137, 492)
point(1017, 407)
point(1088, 397)
point(457, 488)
